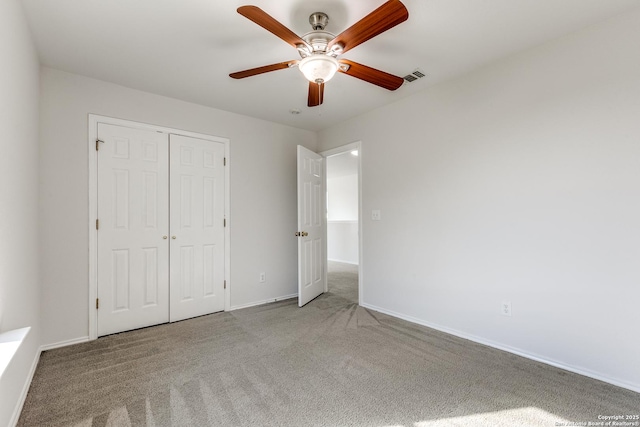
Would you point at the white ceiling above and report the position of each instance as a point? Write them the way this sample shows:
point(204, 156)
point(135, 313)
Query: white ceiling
point(185, 49)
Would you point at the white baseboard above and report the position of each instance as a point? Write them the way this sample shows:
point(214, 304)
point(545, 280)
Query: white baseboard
point(343, 261)
point(479, 340)
point(25, 389)
point(267, 301)
point(64, 343)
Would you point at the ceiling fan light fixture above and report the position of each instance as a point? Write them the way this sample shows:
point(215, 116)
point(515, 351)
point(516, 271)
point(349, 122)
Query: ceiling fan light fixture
point(319, 68)
point(319, 48)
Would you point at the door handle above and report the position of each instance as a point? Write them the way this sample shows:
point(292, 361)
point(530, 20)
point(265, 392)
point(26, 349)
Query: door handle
point(301, 234)
point(164, 237)
point(173, 237)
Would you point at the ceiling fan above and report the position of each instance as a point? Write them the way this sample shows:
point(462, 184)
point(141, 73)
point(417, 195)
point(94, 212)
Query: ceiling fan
point(320, 49)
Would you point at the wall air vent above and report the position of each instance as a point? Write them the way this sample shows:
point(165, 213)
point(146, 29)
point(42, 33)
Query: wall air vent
point(415, 75)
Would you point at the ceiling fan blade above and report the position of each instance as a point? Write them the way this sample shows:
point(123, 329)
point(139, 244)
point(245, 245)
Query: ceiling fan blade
point(270, 24)
point(371, 75)
point(316, 94)
point(380, 20)
point(260, 70)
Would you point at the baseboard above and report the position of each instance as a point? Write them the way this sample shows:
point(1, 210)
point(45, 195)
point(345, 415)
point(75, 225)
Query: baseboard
point(25, 390)
point(267, 301)
point(513, 350)
point(64, 343)
point(343, 261)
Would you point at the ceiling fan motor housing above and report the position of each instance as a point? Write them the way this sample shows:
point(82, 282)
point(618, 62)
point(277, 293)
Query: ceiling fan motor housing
point(318, 40)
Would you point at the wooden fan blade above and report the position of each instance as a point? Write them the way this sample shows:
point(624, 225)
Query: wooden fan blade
point(270, 24)
point(260, 70)
point(371, 75)
point(380, 20)
point(316, 94)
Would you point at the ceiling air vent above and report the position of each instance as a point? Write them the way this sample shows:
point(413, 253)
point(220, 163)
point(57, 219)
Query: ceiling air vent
point(415, 75)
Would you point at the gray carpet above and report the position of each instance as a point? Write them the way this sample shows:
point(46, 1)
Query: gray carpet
point(343, 280)
point(330, 363)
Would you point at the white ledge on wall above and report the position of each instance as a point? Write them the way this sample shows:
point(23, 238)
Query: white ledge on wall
point(10, 342)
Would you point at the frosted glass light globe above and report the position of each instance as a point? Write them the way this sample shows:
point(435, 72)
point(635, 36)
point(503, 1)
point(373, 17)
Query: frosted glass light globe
point(319, 68)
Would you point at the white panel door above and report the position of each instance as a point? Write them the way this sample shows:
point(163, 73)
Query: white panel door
point(197, 227)
point(133, 249)
point(311, 269)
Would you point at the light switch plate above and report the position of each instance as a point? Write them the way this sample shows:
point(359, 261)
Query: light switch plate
point(375, 215)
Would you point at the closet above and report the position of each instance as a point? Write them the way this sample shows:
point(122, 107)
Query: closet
point(159, 227)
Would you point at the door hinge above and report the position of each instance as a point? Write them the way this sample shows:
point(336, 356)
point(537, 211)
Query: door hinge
point(225, 284)
point(98, 144)
point(224, 161)
point(97, 224)
point(97, 303)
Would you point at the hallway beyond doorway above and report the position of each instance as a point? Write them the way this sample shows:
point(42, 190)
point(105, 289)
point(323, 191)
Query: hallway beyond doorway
point(343, 280)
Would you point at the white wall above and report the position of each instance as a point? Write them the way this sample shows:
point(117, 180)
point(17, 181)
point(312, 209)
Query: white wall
point(517, 182)
point(19, 293)
point(263, 192)
point(343, 197)
point(342, 218)
point(342, 241)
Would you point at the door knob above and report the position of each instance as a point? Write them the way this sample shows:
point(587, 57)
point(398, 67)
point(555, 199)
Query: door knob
point(173, 237)
point(164, 237)
point(304, 234)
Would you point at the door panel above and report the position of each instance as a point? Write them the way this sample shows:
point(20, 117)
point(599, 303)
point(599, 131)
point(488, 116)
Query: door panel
point(133, 181)
point(197, 227)
point(311, 268)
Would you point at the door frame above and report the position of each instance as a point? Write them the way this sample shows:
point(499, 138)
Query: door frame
point(93, 121)
point(357, 145)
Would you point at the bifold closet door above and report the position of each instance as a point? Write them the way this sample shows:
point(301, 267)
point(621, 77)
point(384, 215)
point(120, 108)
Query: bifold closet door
point(197, 227)
point(133, 249)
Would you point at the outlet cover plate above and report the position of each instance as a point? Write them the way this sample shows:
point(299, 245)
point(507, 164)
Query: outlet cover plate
point(505, 308)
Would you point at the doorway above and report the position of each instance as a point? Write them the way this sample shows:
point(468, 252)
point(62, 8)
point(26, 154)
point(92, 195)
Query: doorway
point(344, 222)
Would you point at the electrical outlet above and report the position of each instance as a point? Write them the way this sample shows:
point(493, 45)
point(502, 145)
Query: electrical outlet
point(375, 215)
point(506, 308)
point(263, 277)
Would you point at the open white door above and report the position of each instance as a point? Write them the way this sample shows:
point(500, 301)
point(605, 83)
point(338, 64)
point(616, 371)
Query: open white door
point(311, 219)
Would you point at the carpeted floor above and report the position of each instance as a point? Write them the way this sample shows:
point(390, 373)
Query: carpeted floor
point(343, 280)
point(330, 363)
